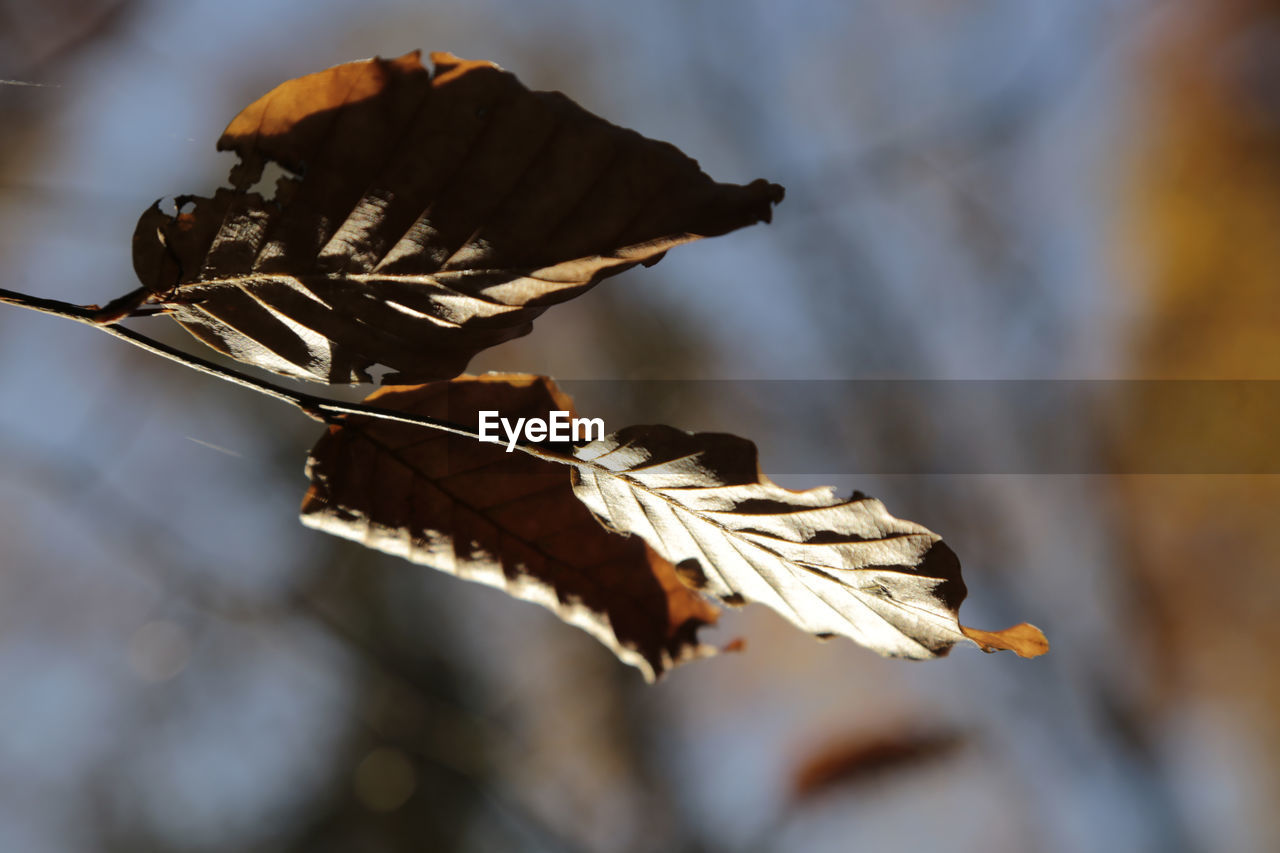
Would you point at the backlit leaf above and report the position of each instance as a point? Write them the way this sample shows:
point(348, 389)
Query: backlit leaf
point(504, 519)
point(426, 217)
point(832, 566)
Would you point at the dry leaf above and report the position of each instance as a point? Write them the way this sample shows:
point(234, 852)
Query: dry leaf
point(1025, 641)
point(505, 519)
point(831, 566)
point(868, 757)
point(430, 216)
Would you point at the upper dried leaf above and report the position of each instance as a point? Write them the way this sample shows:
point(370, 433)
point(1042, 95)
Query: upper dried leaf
point(829, 565)
point(429, 216)
point(505, 519)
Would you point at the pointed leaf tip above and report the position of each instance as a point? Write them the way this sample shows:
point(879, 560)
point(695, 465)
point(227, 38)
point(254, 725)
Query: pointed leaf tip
point(1024, 640)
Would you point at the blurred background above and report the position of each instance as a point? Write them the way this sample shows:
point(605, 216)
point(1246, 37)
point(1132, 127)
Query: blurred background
point(1070, 194)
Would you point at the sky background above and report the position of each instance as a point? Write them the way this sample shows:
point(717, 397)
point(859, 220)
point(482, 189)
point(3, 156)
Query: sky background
point(184, 667)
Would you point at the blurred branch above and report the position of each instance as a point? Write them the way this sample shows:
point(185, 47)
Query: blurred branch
point(320, 408)
point(84, 25)
point(135, 527)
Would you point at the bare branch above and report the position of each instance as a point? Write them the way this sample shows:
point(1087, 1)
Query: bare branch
point(319, 408)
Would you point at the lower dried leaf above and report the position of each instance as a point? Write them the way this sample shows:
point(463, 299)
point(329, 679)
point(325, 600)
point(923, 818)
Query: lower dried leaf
point(829, 565)
point(505, 519)
point(702, 515)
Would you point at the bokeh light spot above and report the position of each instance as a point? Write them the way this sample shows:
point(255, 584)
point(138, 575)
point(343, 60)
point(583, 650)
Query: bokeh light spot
point(385, 780)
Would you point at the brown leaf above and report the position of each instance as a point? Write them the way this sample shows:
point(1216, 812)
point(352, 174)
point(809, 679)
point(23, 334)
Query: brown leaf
point(831, 566)
point(430, 217)
point(869, 757)
point(506, 519)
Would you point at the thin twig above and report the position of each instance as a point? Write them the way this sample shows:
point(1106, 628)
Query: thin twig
point(319, 408)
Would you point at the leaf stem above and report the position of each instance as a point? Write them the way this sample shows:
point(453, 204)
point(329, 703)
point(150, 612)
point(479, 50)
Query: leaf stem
point(320, 408)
